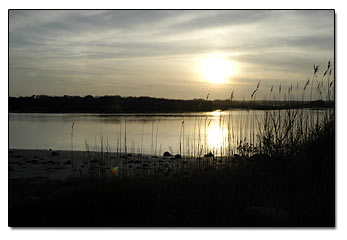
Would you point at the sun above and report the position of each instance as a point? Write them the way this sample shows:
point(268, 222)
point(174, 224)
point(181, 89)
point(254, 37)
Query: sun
point(216, 69)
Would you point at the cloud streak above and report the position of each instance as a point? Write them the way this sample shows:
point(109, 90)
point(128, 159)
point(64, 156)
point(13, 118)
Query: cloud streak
point(155, 52)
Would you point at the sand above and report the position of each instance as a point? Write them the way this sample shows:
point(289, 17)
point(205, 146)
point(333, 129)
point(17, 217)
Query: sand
point(57, 164)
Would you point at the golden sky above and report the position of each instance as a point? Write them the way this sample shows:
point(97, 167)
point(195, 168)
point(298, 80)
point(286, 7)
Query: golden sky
point(173, 54)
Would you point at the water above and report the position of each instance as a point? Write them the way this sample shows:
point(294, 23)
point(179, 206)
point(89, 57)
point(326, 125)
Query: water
point(187, 133)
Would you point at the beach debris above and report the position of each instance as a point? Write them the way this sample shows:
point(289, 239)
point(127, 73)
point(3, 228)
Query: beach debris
point(55, 154)
point(145, 165)
point(50, 162)
point(167, 154)
point(33, 161)
point(59, 168)
point(18, 163)
point(210, 154)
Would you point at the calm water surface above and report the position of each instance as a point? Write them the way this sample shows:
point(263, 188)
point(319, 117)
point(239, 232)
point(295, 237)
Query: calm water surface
point(137, 133)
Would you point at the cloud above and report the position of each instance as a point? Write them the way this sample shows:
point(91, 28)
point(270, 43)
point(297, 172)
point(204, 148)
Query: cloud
point(150, 48)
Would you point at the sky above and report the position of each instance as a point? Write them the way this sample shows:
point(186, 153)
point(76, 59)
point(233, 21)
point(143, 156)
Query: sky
point(179, 54)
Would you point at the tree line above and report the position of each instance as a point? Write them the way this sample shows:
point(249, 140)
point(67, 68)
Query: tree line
point(118, 104)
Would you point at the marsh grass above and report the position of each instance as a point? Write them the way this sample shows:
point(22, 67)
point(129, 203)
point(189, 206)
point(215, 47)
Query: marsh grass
point(280, 132)
point(72, 160)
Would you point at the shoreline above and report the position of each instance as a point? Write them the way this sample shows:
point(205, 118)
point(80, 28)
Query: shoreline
point(155, 113)
point(118, 104)
point(62, 164)
point(31, 163)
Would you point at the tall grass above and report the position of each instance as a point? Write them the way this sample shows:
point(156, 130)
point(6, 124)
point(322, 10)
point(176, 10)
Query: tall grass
point(72, 160)
point(282, 134)
point(243, 133)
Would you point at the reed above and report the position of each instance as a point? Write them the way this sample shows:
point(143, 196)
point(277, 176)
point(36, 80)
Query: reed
point(72, 159)
point(279, 132)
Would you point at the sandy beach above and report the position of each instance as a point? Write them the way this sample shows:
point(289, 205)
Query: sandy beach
point(58, 164)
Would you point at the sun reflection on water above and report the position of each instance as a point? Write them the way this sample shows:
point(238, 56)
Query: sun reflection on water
point(215, 135)
point(216, 113)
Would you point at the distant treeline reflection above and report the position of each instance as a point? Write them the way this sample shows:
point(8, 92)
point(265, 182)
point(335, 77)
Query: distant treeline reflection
point(118, 104)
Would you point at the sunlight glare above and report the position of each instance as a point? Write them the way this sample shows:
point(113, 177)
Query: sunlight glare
point(216, 113)
point(216, 69)
point(214, 136)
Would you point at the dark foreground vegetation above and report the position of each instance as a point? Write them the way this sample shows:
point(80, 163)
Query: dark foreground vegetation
point(295, 189)
point(118, 104)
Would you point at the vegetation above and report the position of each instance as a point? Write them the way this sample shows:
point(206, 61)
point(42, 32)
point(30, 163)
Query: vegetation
point(118, 104)
point(282, 191)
